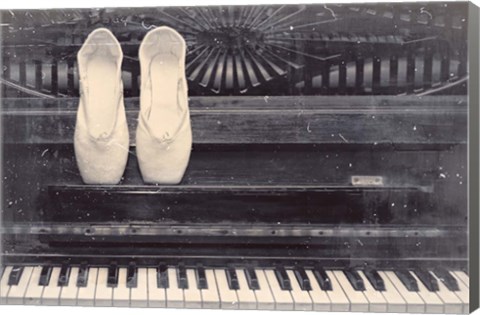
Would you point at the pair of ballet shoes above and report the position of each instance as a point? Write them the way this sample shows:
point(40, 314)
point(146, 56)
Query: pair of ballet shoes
point(163, 136)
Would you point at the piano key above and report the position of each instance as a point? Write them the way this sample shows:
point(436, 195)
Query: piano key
point(283, 279)
point(86, 294)
point(322, 278)
point(375, 298)
point(462, 276)
point(64, 276)
point(182, 277)
point(358, 302)
point(246, 296)
point(232, 278)
point(139, 293)
point(452, 304)
point(103, 292)
point(210, 296)
point(301, 298)
point(433, 304)
point(406, 278)
point(192, 295)
point(45, 276)
point(33, 295)
point(162, 276)
point(132, 276)
point(395, 302)
point(265, 299)
point(354, 279)
point(375, 280)
point(337, 296)
point(174, 292)
point(82, 278)
point(112, 280)
point(156, 293)
point(4, 287)
point(51, 293)
point(68, 296)
point(201, 278)
point(463, 294)
point(427, 279)
point(320, 299)
point(15, 275)
point(415, 304)
point(121, 294)
point(252, 279)
point(283, 298)
point(17, 292)
point(302, 279)
point(446, 278)
point(228, 297)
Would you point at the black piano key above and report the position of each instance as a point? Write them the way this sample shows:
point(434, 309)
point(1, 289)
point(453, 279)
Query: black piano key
point(407, 279)
point(427, 279)
point(82, 278)
point(355, 280)
point(322, 278)
point(447, 278)
point(45, 276)
point(252, 279)
point(15, 275)
point(132, 276)
point(374, 278)
point(232, 278)
point(112, 280)
point(201, 278)
point(64, 276)
point(303, 279)
point(162, 276)
point(283, 278)
point(182, 277)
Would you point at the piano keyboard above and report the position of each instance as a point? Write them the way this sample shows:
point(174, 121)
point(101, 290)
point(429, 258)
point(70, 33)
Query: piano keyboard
point(419, 291)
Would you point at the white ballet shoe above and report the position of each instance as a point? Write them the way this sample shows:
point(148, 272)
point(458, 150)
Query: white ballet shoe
point(101, 132)
point(164, 135)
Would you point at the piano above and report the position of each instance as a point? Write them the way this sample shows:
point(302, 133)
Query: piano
point(328, 168)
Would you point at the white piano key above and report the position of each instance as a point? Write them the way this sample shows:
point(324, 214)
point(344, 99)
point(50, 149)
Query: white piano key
point(228, 298)
point(17, 292)
point(156, 295)
point(463, 294)
point(320, 299)
point(4, 287)
point(68, 295)
point(51, 293)
point(283, 298)
point(121, 293)
point(340, 301)
point(462, 276)
point(265, 300)
point(103, 293)
point(433, 304)
point(376, 301)
point(210, 296)
point(395, 302)
point(415, 303)
point(139, 295)
point(174, 293)
point(33, 295)
point(192, 295)
point(301, 299)
point(86, 295)
point(358, 302)
point(246, 297)
point(452, 304)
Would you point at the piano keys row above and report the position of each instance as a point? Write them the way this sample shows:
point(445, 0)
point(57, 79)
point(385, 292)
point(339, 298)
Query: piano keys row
point(417, 291)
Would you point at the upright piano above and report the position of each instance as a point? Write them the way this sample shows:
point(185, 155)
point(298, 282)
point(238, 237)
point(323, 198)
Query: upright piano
point(328, 169)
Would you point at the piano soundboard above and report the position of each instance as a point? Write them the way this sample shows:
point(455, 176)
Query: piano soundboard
point(328, 169)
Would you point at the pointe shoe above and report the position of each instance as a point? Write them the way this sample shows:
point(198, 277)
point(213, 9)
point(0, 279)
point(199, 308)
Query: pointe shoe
point(164, 135)
point(101, 132)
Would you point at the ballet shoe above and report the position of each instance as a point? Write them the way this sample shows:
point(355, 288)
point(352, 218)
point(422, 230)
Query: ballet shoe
point(164, 136)
point(101, 139)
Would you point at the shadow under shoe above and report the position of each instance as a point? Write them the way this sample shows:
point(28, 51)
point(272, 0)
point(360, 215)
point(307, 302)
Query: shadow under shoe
point(101, 139)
